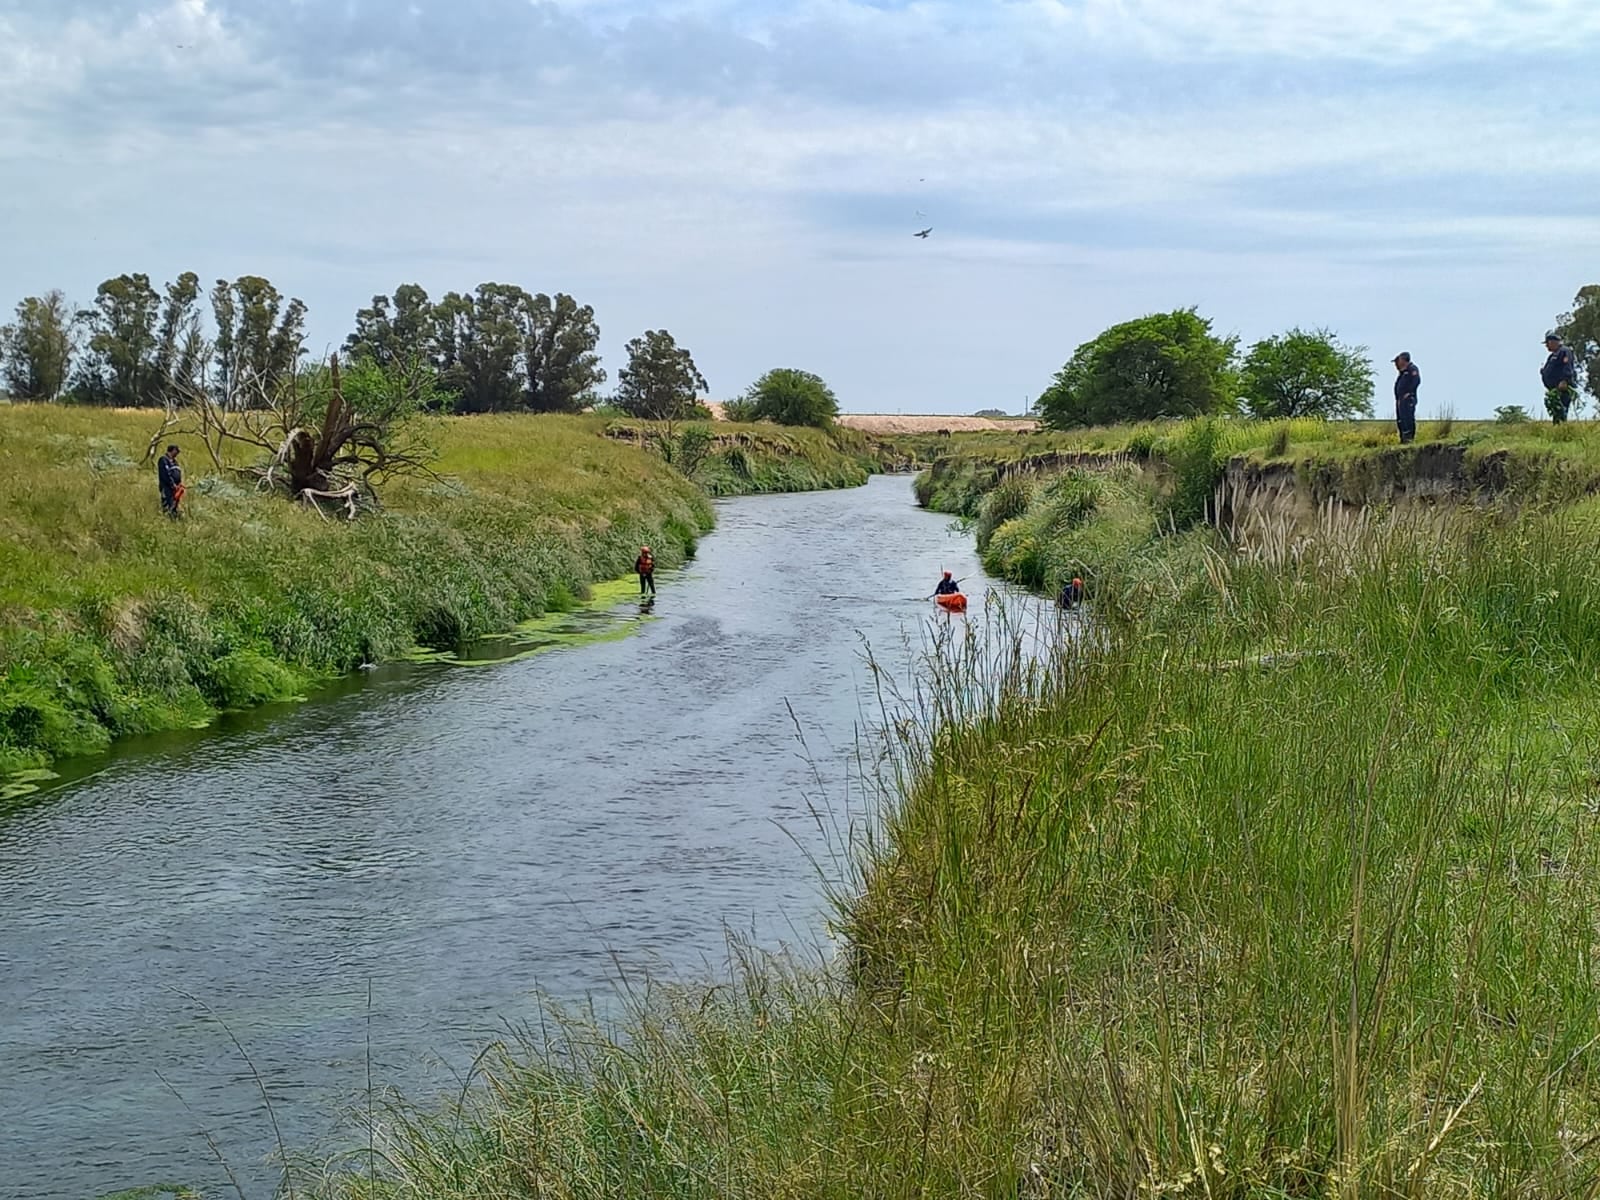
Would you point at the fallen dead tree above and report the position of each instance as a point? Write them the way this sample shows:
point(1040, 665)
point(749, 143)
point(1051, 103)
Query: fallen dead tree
point(313, 439)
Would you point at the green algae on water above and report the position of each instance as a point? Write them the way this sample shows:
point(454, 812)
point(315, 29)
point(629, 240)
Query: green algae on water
point(606, 616)
point(23, 783)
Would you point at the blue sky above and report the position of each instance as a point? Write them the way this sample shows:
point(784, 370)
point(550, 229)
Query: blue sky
point(748, 174)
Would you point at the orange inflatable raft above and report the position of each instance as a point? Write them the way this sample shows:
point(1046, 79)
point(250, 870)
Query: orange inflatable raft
point(954, 602)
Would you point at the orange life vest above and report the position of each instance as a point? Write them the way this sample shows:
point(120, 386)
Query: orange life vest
point(646, 564)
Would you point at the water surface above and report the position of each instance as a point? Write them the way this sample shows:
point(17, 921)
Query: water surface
point(458, 838)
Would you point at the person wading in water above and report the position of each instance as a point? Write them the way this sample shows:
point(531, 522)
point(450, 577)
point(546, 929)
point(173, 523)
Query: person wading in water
point(170, 476)
point(646, 566)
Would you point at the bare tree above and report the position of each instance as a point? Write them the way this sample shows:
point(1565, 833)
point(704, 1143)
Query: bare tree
point(327, 436)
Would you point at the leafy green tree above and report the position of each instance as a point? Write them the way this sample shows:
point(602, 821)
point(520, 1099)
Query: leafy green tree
point(260, 340)
point(1161, 365)
point(498, 348)
point(1512, 414)
point(394, 332)
point(119, 363)
point(660, 382)
point(787, 396)
point(1580, 329)
point(561, 368)
point(478, 343)
point(1307, 373)
point(181, 350)
point(36, 351)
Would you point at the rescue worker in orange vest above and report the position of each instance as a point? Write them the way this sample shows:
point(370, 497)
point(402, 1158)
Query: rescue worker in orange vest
point(947, 586)
point(646, 566)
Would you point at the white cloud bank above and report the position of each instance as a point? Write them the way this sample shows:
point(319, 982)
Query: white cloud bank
point(748, 174)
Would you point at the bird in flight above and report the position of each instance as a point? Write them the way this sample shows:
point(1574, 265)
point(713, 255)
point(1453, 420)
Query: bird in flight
point(923, 233)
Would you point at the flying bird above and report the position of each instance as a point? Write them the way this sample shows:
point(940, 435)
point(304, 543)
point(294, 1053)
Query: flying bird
point(923, 233)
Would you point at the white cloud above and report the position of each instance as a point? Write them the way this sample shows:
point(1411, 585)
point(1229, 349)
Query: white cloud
point(747, 175)
point(1323, 29)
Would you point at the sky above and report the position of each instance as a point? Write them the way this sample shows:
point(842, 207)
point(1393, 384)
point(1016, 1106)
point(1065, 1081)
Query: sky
point(748, 174)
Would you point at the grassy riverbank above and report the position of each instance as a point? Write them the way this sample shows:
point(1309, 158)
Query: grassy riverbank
point(1301, 438)
point(1050, 506)
point(746, 459)
point(116, 621)
point(1281, 886)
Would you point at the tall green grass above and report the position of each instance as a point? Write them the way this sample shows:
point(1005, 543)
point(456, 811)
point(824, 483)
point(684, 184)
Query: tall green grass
point(760, 457)
point(1279, 885)
point(114, 620)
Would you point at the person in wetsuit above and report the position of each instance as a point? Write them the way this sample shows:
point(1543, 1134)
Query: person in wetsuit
point(646, 566)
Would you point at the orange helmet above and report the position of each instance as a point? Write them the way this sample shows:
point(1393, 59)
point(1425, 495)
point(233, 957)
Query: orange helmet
point(947, 574)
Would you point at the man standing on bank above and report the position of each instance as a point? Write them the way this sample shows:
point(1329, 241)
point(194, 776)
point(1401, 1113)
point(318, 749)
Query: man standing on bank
point(1407, 380)
point(169, 477)
point(1560, 377)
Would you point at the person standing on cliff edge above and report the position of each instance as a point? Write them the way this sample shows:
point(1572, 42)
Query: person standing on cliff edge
point(1407, 380)
point(1560, 378)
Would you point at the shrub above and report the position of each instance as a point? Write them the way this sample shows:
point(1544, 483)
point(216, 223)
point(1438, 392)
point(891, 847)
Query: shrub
point(1197, 461)
point(247, 678)
point(1007, 502)
point(792, 397)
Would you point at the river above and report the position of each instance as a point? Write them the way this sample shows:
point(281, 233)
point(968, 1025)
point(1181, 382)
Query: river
point(458, 838)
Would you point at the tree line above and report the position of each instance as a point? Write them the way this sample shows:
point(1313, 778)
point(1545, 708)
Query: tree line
point(1172, 364)
point(498, 348)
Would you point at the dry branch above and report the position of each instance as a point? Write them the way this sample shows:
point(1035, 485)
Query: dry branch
point(314, 445)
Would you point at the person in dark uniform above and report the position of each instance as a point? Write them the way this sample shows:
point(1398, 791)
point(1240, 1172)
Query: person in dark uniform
point(169, 475)
point(947, 586)
point(1560, 377)
point(1071, 594)
point(1407, 380)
